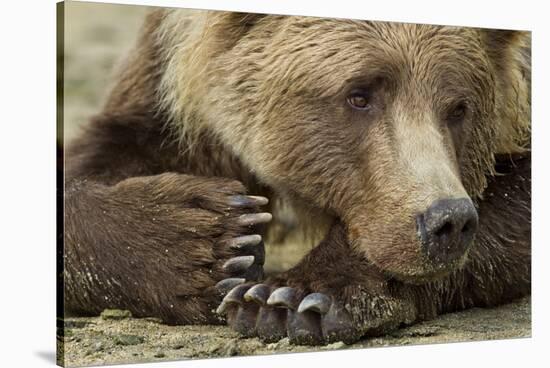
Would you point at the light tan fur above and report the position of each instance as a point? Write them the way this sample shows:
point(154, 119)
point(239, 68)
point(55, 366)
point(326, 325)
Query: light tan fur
point(244, 87)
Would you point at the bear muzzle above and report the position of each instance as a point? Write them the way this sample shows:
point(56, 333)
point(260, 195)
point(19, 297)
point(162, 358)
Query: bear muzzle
point(447, 229)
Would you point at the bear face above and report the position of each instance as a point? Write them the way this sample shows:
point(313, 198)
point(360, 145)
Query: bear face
point(375, 123)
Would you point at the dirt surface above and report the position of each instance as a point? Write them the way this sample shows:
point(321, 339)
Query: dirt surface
point(97, 36)
point(100, 341)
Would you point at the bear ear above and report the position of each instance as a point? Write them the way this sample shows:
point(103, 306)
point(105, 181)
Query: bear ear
point(499, 40)
point(230, 27)
point(510, 53)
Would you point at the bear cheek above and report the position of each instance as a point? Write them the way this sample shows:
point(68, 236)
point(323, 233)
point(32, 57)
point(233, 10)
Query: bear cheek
point(391, 244)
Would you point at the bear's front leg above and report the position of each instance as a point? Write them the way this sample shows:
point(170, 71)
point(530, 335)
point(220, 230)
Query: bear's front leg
point(157, 245)
point(333, 294)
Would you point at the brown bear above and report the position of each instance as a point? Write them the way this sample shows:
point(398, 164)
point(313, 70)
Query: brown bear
point(407, 145)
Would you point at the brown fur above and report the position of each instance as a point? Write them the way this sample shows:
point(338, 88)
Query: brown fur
point(496, 271)
point(210, 100)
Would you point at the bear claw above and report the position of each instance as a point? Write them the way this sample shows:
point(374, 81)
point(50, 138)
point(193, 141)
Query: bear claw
point(234, 296)
point(247, 201)
point(285, 297)
point(256, 310)
point(244, 241)
point(254, 218)
point(258, 294)
point(247, 257)
point(315, 302)
point(238, 264)
point(227, 284)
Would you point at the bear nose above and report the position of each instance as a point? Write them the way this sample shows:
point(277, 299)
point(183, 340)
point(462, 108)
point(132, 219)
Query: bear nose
point(447, 229)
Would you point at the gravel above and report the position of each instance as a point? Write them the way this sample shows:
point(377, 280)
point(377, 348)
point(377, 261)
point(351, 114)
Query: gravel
point(99, 341)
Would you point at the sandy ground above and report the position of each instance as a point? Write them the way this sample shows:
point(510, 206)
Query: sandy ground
point(97, 36)
point(99, 341)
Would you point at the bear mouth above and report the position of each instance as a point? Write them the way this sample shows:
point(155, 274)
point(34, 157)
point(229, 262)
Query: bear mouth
point(418, 246)
point(407, 262)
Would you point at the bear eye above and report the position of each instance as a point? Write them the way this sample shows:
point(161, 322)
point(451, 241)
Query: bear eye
point(458, 112)
point(359, 100)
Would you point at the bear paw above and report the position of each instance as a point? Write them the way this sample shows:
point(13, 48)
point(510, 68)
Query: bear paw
point(246, 252)
point(272, 313)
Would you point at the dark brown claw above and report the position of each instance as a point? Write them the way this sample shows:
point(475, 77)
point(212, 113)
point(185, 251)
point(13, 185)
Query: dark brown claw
point(314, 320)
point(257, 294)
point(315, 302)
point(271, 324)
point(247, 201)
point(304, 328)
point(238, 264)
point(254, 219)
point(249, 256)
point(227, 284)
point(244, 320)
point(338, 326)
point(241, 315)
point(285, 297)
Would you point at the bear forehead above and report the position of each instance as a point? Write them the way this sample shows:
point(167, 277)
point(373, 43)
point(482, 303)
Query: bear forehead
point(305, 52)
point(398, 36)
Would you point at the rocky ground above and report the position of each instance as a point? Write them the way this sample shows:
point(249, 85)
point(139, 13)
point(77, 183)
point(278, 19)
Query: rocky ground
point(116, 338)
point(96, 37)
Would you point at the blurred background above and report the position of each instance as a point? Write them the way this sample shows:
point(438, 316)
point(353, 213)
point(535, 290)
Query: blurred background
point(97, 37)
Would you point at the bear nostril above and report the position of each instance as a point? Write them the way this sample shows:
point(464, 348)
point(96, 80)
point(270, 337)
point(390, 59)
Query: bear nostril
point(444, 230)
point(467, 227)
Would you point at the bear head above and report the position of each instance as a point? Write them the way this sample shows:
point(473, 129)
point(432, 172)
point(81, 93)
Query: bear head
point(391, 127)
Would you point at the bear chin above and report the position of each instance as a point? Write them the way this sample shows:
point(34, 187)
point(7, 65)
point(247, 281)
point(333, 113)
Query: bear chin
point(428, 273)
